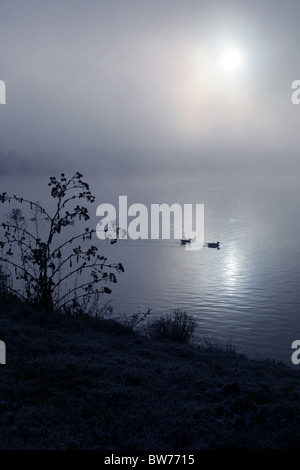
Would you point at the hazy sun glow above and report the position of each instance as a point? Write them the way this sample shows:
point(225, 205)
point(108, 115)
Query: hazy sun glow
point(232, 59)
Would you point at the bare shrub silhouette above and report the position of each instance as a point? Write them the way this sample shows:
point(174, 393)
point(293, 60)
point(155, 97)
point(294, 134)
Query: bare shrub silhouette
point(177, 326)
point(48, 266)
point(4, 280)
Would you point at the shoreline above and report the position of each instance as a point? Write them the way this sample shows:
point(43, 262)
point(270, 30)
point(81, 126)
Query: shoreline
point(85, 383)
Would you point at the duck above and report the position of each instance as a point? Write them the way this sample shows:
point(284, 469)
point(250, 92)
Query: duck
point(214, 245)
point(184, 242)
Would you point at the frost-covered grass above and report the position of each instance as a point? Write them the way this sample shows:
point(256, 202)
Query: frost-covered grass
point(78, 382)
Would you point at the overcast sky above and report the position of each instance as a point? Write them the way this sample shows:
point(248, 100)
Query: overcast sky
point(139, 80)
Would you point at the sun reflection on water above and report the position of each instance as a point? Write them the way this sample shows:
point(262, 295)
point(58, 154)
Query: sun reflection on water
point(232, 266)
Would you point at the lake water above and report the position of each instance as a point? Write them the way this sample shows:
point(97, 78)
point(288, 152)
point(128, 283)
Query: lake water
point(247, 292)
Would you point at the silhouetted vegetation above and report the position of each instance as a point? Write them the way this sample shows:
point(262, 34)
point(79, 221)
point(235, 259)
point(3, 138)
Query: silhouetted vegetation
point(4, 280)
point(177, 326)
point(45, 268)
point(135, 319)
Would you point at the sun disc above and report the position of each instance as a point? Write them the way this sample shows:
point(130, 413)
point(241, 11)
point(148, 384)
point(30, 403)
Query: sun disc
point(231, 60)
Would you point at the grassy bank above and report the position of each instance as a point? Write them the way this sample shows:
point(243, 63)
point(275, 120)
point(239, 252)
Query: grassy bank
point(82, 383)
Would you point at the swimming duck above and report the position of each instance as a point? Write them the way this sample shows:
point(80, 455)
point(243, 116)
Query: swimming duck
point(184, 242)
point(213, 245)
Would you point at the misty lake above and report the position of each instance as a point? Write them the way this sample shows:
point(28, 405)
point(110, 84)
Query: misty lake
point(247, 292)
